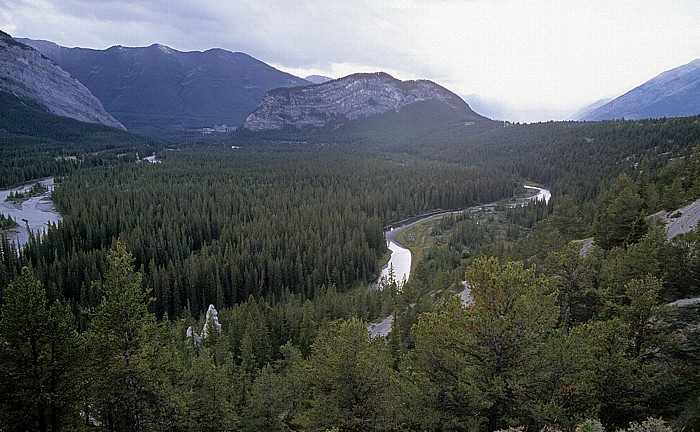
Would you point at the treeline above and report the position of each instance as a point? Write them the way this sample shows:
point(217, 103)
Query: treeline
point(35, 144)
point(578, 159)
point(278, 235)
point(219, 226)
point(519, 355)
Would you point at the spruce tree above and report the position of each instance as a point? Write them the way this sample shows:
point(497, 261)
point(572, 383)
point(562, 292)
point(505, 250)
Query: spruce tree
point(40, 360)
point(120, 339)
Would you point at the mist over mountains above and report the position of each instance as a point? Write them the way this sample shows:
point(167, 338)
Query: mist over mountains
point(674, 93)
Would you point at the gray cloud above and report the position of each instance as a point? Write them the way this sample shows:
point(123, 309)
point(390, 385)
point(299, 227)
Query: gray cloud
point(312, 33)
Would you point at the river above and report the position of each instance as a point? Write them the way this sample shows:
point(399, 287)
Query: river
point(35, 213)
point(400, 260)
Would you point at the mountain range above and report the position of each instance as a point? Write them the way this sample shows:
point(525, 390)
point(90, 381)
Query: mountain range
point(674, 93)
point(158, 90)
point(586, 110)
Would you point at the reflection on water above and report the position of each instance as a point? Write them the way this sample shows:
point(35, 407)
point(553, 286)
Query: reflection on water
point(400, 262)
point(543, 194)
point(401, 257)
point(34, 213)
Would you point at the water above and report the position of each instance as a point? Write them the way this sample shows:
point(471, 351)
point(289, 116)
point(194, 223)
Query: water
point(401, 257)
point(34, 213)
point(400, 261)
point(543, 194)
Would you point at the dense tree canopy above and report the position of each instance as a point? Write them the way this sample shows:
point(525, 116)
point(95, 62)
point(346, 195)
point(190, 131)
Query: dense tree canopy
point(285, 236)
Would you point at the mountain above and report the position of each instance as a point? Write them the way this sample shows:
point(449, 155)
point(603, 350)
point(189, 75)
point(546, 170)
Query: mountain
point(350, 98)
point(487, 107)
point(318, 79)
point(674, 93)
point(159, 90)
point(582, 112)
point(30, 76)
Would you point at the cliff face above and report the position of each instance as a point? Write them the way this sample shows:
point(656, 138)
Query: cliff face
point(27, 74)
point(346, 99)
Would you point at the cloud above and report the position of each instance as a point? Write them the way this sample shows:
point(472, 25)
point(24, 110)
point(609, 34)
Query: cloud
point(301, 33)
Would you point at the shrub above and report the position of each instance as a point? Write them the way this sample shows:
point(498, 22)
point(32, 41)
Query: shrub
point(590, 426)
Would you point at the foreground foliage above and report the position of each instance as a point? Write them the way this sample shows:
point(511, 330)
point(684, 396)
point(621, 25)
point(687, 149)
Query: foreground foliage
point(284, 242)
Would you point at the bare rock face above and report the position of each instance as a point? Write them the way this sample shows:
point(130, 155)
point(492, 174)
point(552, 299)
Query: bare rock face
point(30, 76)
point(343, 100)
point(211, 322)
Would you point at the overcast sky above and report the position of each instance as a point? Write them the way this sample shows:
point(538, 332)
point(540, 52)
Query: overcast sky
point(537, 60)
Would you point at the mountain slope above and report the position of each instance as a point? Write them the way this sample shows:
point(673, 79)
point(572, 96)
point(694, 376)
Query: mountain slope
point(346, 99)
point(26, 74)
point(674, 93)
point(35, 143)
point(157, 89)
point(318, 79)
point(582, 112)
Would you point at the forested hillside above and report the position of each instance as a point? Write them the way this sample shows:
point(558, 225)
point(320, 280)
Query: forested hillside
point(36, 144)
point(284, 236)
point(216, 226)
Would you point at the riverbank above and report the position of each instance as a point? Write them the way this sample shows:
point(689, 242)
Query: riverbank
point(412, 238)
point(402, 248)
point(32, 214)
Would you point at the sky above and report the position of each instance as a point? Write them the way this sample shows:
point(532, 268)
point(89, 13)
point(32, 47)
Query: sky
point(528, 60)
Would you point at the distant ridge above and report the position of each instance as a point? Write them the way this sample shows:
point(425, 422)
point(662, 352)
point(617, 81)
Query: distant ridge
point(159, 90)
point(318, 79)
point(347, 99)
point(674, 93)
point(582, 112)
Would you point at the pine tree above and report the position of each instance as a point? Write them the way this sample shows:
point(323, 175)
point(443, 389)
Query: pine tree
point(40, 360)
point(472, 358)
point(350, 377)
point(120, 338)
point(617, 209)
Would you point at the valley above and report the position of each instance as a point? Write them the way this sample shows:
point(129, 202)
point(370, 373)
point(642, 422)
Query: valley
point(400, 261)
point(490, 314)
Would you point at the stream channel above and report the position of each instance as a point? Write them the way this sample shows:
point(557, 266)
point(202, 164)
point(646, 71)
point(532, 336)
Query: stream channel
point(32, 214)
point(400, 259)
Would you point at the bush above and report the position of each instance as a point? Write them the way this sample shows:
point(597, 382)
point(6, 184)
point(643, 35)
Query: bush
point(590, 426)
point(650, 425)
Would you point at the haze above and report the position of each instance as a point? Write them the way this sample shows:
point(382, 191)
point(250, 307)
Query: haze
point(529, 60)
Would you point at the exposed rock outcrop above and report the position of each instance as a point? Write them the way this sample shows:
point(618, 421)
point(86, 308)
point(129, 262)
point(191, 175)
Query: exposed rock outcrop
point(211, 322)
point(346, 99)
point(29, 75)
point(680, 221)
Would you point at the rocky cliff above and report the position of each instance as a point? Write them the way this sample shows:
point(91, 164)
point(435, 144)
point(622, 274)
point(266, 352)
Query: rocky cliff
point(343, 100)
point(29, 75)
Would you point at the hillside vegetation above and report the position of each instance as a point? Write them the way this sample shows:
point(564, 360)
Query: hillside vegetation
point(284, 234)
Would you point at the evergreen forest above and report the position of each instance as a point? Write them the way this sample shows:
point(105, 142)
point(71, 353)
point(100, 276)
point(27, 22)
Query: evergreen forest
point(569, 322)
